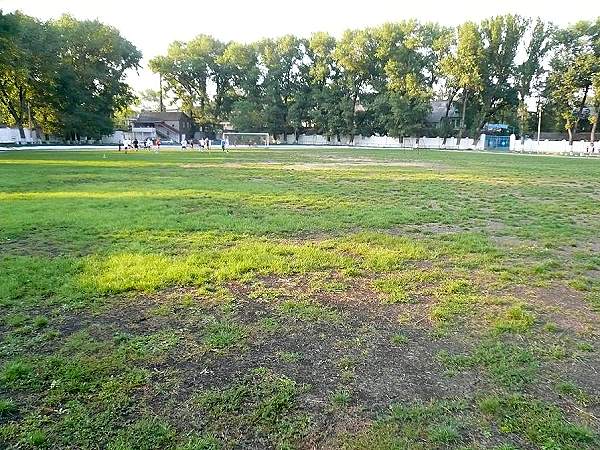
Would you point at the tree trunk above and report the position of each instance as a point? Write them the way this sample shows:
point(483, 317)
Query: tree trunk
point(36, 126)
point(161, 105)
point(522, 125)
point(570, 131)
point(353, 124)
point(462, 118)
point(593, 132)
point(581, 106)
point(448, 106)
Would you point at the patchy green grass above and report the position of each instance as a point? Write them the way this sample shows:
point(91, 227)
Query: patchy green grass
point(417, 426)
point(509, 365)
point(541, 424)
point(515, 319)
point(289, 357)
point(307, 310)
point(340, 398)
point(139, 292)
point(221, 335)
point(7, 407)
point(261, 403)
point(399, 339)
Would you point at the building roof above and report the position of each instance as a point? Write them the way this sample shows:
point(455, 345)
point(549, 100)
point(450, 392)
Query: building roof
point(155, 116)
point(438, 111)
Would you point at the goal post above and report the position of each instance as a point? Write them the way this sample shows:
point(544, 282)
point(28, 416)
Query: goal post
point(246, 139)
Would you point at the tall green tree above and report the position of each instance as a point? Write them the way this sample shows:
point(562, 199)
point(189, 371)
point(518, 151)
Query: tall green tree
point(353, 57)
point(28, 68)
point(185, 70)
point(326, 97)
point(574, 70)
point(403, 78)
point(281, 62)
point(529, 73)
point(241, 92)
point(93, 60)
point(595, 115)
point(462, 68)
point(501, 38)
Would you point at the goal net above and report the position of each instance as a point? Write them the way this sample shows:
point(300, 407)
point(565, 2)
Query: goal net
point(246, 139)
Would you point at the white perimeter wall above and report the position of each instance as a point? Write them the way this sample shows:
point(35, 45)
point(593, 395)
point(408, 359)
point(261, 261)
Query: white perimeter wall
point(529, 146)
point(12, 136)
point(387, 141)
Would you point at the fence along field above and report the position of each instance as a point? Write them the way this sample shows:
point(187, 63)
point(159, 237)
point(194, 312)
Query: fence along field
point(298, 298)
point(545, 146)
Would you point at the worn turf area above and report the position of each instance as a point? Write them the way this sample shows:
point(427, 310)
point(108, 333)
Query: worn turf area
point(313, 298)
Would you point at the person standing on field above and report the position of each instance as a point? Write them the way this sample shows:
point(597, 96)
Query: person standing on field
point(183, 144)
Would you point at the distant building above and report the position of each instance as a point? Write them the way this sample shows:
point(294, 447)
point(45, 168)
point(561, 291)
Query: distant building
point(168, 125)
point(437, 117)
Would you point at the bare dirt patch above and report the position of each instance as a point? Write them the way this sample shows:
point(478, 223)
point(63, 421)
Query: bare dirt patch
point(356, 353)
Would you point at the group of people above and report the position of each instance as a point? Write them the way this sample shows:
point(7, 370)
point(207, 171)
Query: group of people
point(149, 143)
point(203, 143)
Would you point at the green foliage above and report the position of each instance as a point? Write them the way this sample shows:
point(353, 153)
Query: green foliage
point(201, 443)
point(573, 69)
point(394, 288)
point(16, 373)
point(571, 390)
point(289, 357)
point(67, 74)
point(374, 80)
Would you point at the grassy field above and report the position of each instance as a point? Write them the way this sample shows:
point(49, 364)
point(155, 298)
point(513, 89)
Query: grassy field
point(312, 298)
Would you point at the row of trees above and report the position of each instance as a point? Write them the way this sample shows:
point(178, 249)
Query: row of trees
point(381, 80)
point(63, 77)
point(66, 77)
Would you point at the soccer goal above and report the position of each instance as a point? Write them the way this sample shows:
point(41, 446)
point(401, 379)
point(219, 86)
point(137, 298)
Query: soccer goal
point(246, 139)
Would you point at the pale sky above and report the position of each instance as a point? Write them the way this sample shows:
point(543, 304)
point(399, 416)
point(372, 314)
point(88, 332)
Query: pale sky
point(151, 25)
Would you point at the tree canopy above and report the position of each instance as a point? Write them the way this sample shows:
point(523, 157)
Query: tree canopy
point(63, 77)
point(66, 77)
point(382, 80)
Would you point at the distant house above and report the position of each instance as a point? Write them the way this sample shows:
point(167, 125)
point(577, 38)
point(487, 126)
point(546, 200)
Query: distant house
point(168, 125)
point(437, 117)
